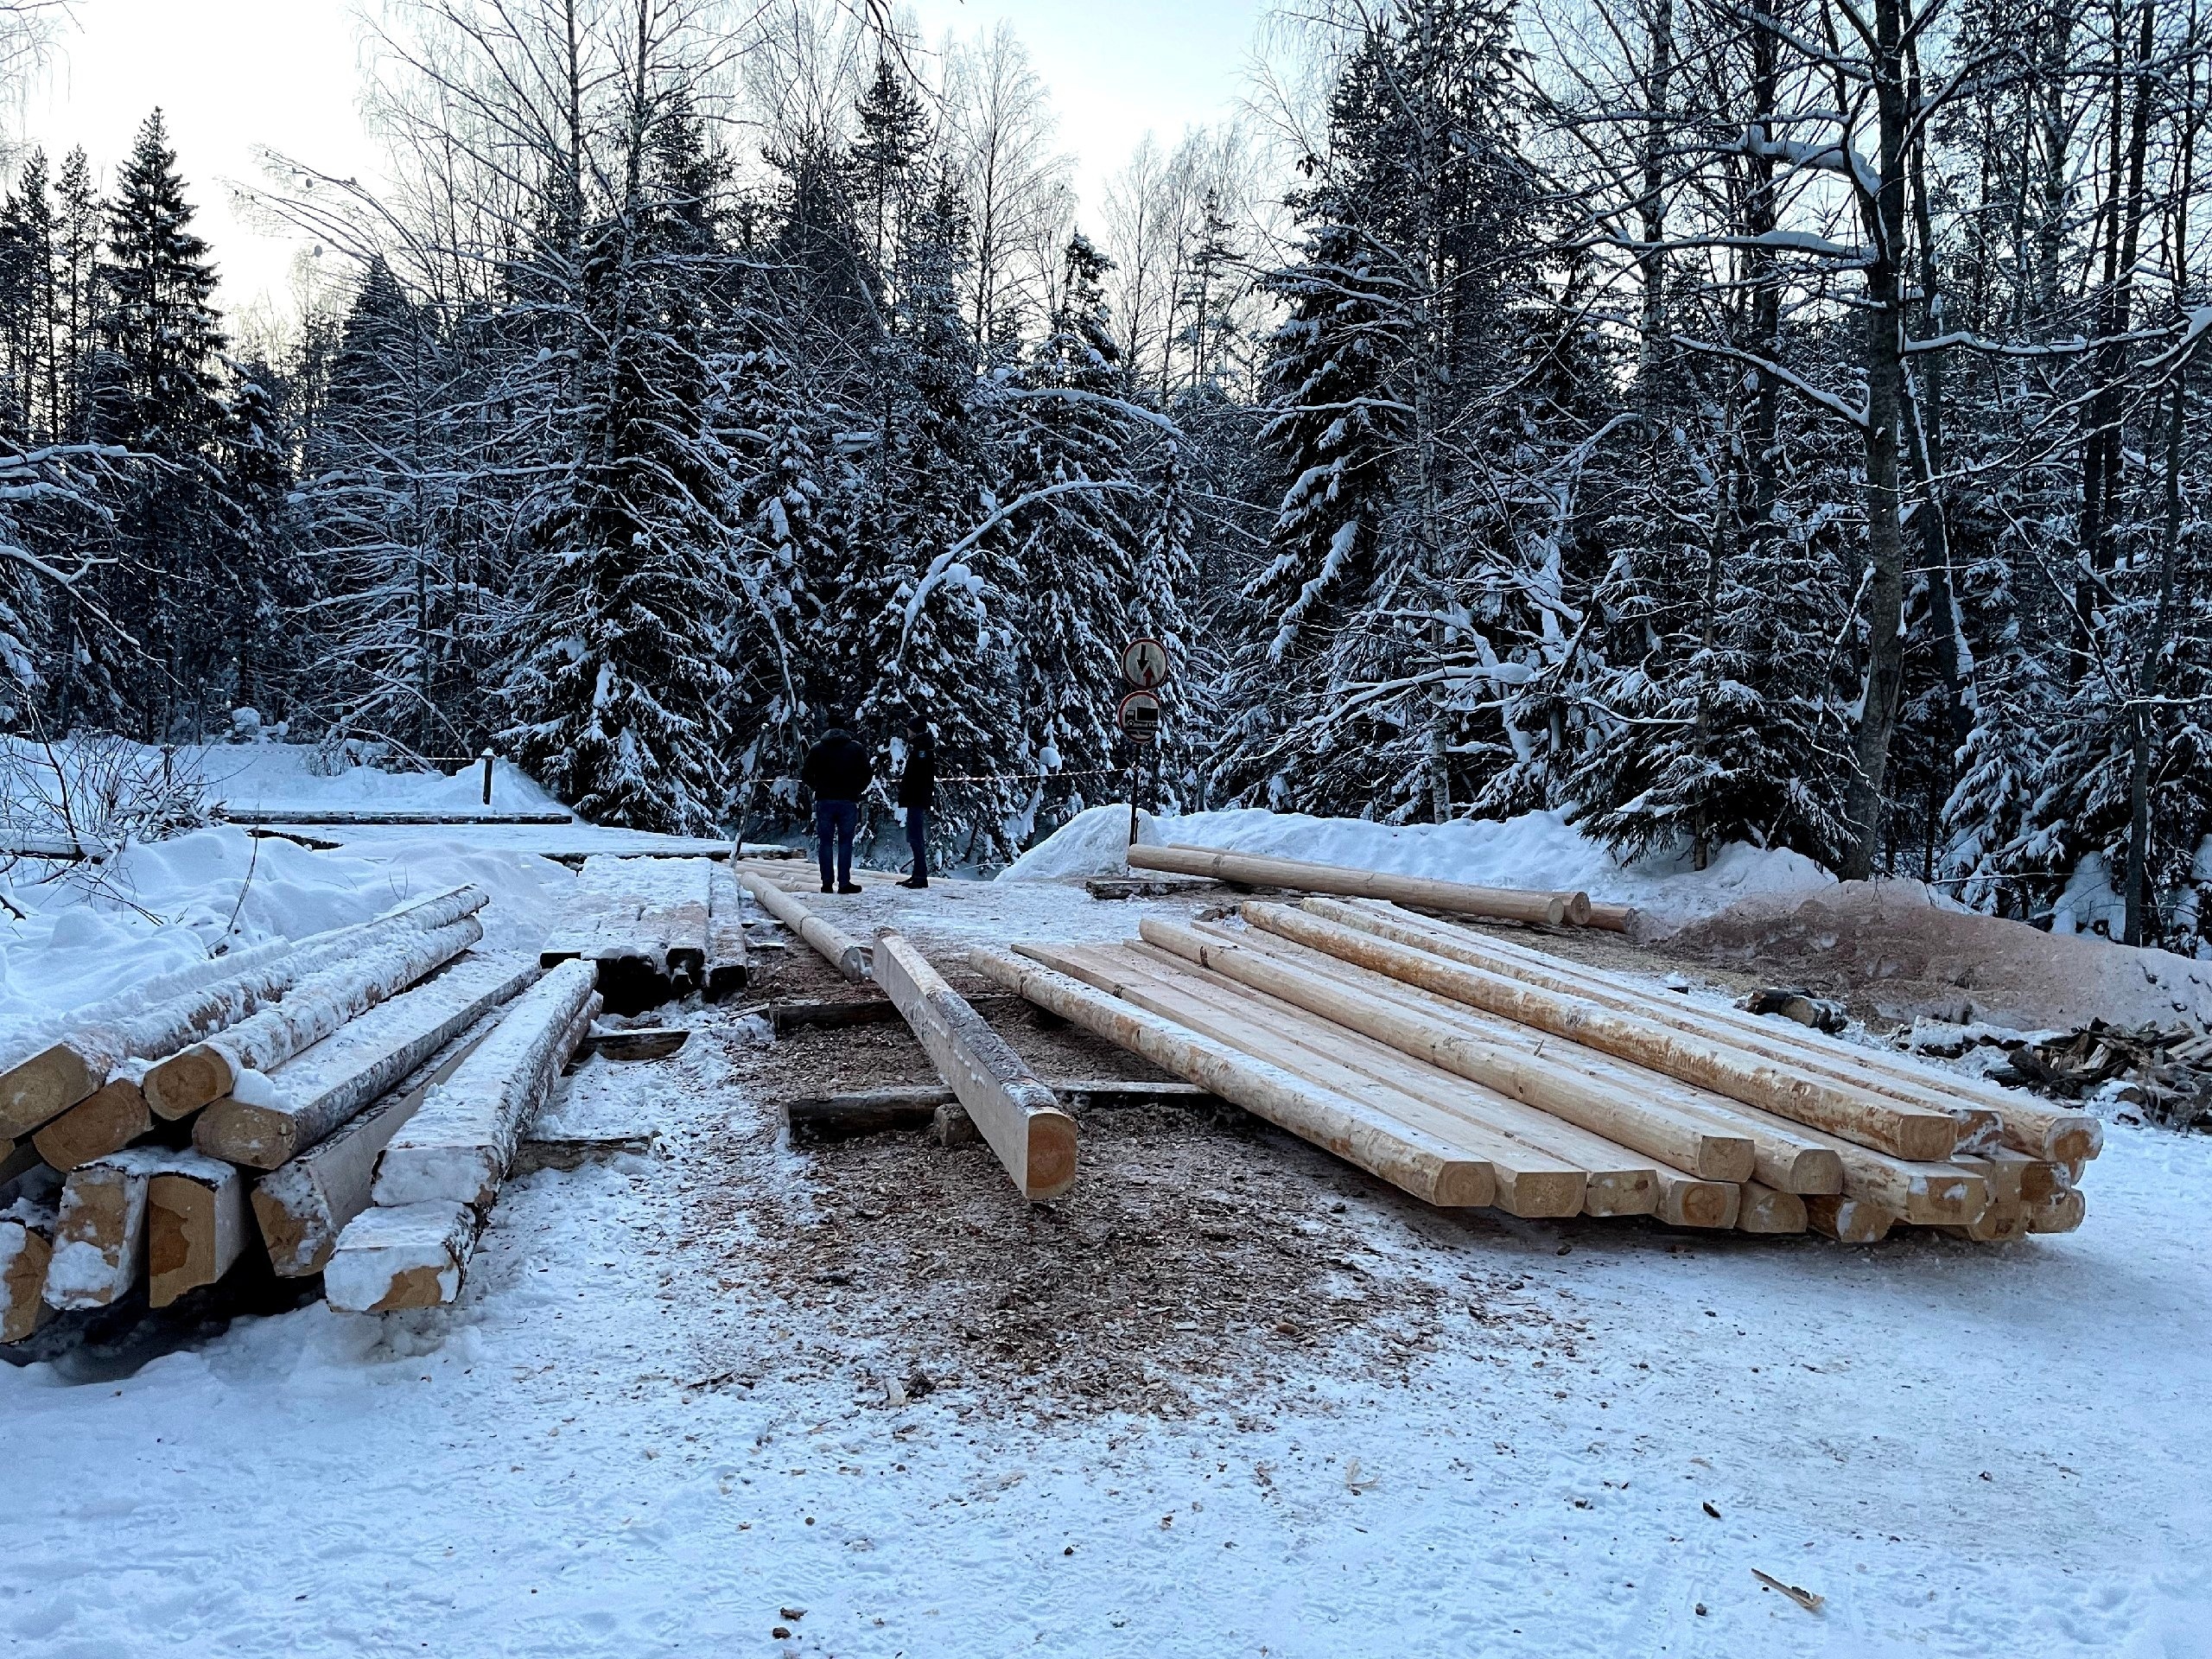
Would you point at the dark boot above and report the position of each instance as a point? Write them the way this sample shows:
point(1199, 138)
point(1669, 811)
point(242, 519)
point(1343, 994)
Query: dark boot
point(849, 887)
point(915, 881)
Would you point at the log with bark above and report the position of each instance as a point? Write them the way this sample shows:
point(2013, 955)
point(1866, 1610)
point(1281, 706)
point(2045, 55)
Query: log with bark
point(832, 944)
point(1505, 904)
point(1016, 1114)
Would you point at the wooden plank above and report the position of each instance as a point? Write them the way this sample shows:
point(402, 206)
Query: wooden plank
point(815, 1119)
point(319, 1089)
point(1596, 1103)
point(24, 1252)
point(113, 1118)
point(1507, 903)
point(805, 1013)
point(302, 1208)
point(832, 944)
point(1525, 1181)
point(458, 1146)
point(1615, 1179)
point(312, 1008)
point(1784, 1154)
point(196, 1226)
point(1437, 1172)
point(410, 1256)
point(2030, 1127)
point(1875, 1120)
point(636, 1043)
point(1016, 1114)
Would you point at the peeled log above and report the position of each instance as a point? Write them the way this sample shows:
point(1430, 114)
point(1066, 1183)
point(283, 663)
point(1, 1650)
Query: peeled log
point(312, 1009)
point(831, 943)
point(2060, 1212)
point(1849, 1221)
point(195, 1226)
point(457, 1149)
point(1016, 1114)
point(414, 1255)
point(114, 1117)
point(1431, 1169)
point(1766, 1210)
point(1507, 903)
point(99, 1236)
point(318, 1089)
point(1888, 1125)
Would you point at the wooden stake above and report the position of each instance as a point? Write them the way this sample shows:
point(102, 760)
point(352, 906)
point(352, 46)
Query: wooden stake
point(1015, 1114)
point(1507, 903)
point(833, 945)
point(1434, 1170)
point(195, 1226)
point(111, 1120)
point(1872, 1121)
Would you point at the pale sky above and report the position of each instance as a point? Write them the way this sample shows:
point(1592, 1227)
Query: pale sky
point(235, 74)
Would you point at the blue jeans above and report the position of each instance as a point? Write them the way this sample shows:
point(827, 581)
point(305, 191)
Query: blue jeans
point(917, 840)
point(836, 820)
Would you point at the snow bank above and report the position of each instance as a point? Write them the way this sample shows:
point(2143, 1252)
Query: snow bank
point(1538, 849)
point(89, 932)
point(282, 778)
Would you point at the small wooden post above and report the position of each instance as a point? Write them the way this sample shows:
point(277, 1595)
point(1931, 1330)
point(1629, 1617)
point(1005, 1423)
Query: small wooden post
point(487, 777)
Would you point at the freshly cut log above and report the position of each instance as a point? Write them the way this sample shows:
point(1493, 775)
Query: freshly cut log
point(122, 1028)
point(457, 1147)
point(1767, 1210)
point(1849, 1221)
point(2060, 1212)
point(1508, 904)
point(1524, 1180)
point(303, 1207)
point(1015, 1114)
point(839, 949)
point(815, 1119)
point(2001, 1224)
point(195, 1226)
point(728, 967)
point(24, 1254)
point(1614, 1181)
point(1436, 1170)
point(109, 1120)
point(1710, 1062)
point(1686, 1203)
point(1595, 1103)
point(312, 1009)
point(99, 1235)
point(1784, 1154)
point(323, 1085)
point(2030, 1127)
point(415, 1255)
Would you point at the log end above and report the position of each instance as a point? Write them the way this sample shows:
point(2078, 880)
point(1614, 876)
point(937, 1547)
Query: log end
point(1765, 1210)
point(1575, 909)
point(23, 1257)
point(1924, 1137)
point(184, 1082)
point(46, 1085)
point(1813, 1172)
point(1543, 1194)
point(296, 1249)
point(1700, 1204)
point(1849, 1221)
point(2062, 1212)
point(1725, 1157)
point(255, 1137)
point(1622, 1193)
point(1051, 1163)
point(1464, 1184)
point(1952, 1199)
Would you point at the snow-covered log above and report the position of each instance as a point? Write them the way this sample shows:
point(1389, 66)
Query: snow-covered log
point(839, 949)
point(1017, 1115)
point(1506, 904)
point(196, 1225)
point(411, 1256)
point(644, 921)
point(312, 1008)
point(304, 1206)
point(726, 966)
point(25, 1251)
point(99, 1237)
point(319, 1089)
point(40, 1087)
point(459, 1145)
point(114, 1116)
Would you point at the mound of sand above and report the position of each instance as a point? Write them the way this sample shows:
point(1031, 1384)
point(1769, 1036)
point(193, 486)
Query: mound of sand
point(1891, 947)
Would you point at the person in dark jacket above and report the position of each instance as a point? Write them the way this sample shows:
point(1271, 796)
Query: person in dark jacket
point(838, 772)
point(918, 794)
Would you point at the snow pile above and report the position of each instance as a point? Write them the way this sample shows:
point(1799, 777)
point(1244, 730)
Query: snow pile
point(287, 777)
point(1537, 849)
point(88, 932)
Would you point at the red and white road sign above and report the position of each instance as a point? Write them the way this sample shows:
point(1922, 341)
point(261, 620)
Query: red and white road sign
point(1144, 663)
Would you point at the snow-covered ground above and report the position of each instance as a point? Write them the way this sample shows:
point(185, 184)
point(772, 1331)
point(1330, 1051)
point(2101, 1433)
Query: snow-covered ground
point(1538, 849)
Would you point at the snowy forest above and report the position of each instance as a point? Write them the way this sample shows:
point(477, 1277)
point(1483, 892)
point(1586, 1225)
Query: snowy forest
point(1717, 425)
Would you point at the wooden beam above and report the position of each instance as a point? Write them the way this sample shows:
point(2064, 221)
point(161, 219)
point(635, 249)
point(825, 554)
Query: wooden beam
point(1820, 1103)
point(815, 1119)
point(636, 1043)
point(1016, 1114)
point(323, 1086)
point(1436, 1170)
point(99, 1236)
point(24, 1254)
point(409, 1255)
point(109, 1120)
point(1784, 1154)
point(196, 1226)
point(1849, 1221)
point(311, 1010)
point(2028, 1126)
point(1766, 1210)
point(1506, 904)
point(839, 949)
point(303, 1207)
point(1593, 1103)
point(457, 1147)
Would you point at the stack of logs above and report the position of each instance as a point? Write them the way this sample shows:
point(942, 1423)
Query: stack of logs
point(1470, 1071)
point(329, 1095)
point(656, 929)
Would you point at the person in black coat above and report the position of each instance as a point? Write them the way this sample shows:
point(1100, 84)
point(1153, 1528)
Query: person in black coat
point(838, 771)
point(918, 794)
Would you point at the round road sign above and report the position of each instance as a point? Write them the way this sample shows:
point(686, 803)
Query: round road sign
point(1140, 715)
point(1144, 663)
